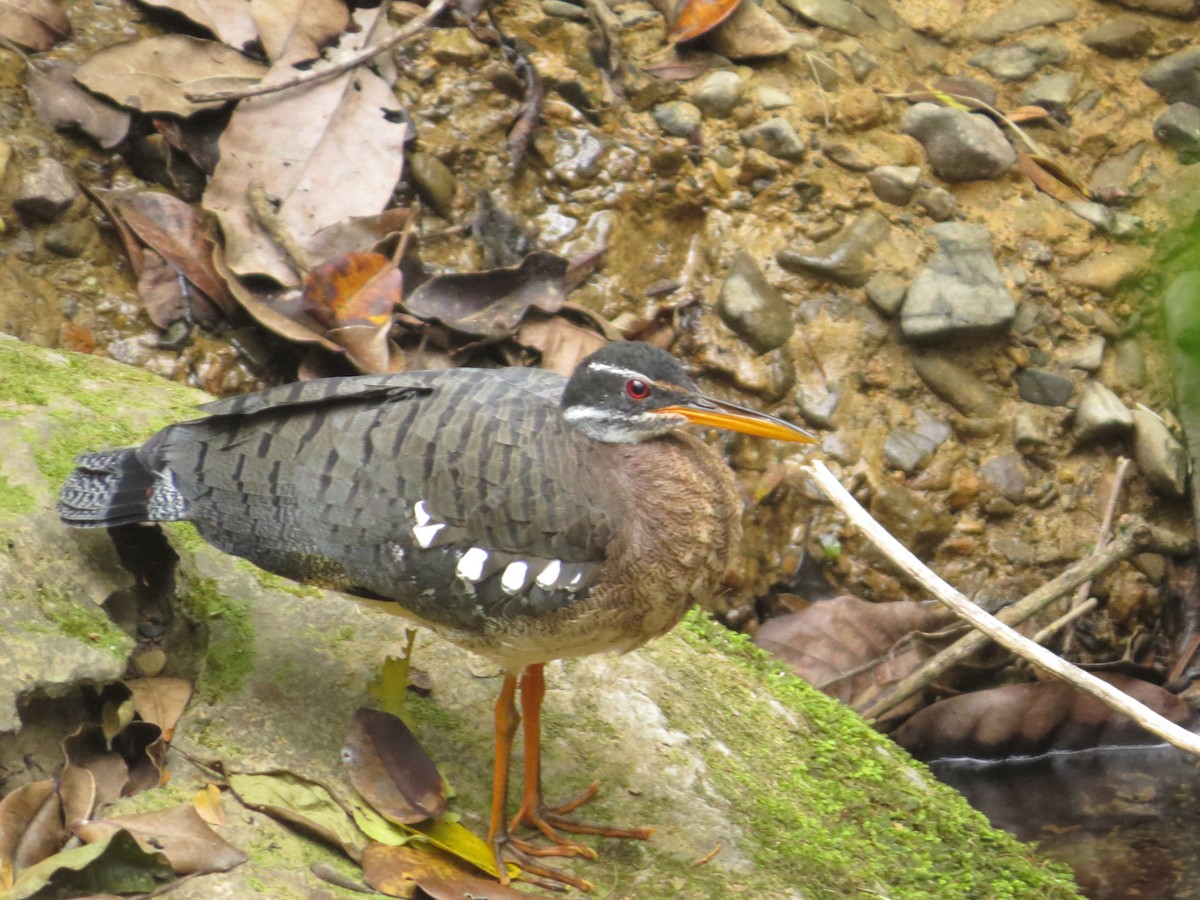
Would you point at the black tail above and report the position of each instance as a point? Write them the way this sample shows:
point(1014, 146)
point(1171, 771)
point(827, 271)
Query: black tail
point(112, 487)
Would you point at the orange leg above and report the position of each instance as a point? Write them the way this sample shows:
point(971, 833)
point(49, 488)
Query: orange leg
point(503, 846)
point(533, 811)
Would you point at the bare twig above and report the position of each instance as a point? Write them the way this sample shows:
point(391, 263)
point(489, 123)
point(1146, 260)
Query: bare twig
point(1067, 618)
point(1137, 534)
point(402, 34)
point(1106, 523)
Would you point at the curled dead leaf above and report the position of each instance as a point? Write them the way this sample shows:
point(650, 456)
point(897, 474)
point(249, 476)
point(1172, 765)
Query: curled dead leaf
point(695, 18)
point(179, 833)
point(391, 770)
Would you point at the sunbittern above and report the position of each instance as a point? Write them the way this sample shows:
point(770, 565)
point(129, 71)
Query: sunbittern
point(519, 514)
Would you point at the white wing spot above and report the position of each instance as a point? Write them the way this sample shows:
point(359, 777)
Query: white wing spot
point(426, 533)
point(513, 578)
point(420, 513)
point(574, 582)
point(470, 565)
point(549, 575)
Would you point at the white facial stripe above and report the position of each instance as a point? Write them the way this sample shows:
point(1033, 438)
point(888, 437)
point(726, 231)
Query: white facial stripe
point(426, 533)
point(618, 370)
point(470, 566)
point(420, 513)
point(513, 578)
point(549, 575)
point(604, 426)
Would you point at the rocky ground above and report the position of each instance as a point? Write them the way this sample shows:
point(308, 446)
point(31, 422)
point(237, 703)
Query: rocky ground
point(859, 219)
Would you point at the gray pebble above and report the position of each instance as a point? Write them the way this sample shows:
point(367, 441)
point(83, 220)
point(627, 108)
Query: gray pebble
point(895, 184)
point(939, 204)
point(817, 402)
point(1120, 38)
point(1043, 387)
point(1030, 429)
point(960, 146)
point(1053, 93)
point(1180, 9)
point(749, 305)
point(1100, 414)
point(771, 97)
point(1018, 61)
point(959, 387)
point(1159, 455)
point(907, 450)
point(1177, 77)
point(677, 118)
point(717, 93)
point(1087, 355)
point(842, 257)
point(1129, 364)
point(776, 137)
point(1179, 128)
point(564, 10)
point(70, 239)
point(45, 191)
point(1022, 15)
point(1006, 475)
point(886, 290)
point(960, 290)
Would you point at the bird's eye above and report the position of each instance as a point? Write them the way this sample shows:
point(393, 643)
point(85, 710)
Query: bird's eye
point(637, 389)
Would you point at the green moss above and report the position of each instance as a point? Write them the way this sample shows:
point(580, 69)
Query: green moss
point(15, 500)
point(85, 623)
point(847, 817)
point(272, 582)
point(229, 654)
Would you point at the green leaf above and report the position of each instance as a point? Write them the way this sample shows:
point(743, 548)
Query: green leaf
point(304, 803)
point(115, 865)
point(391, 687)
point(949, 101)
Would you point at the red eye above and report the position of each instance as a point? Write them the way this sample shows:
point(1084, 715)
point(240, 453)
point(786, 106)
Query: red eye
point(637, 389)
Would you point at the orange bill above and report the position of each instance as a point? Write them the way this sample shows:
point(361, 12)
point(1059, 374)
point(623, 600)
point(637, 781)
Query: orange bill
point(722, 414)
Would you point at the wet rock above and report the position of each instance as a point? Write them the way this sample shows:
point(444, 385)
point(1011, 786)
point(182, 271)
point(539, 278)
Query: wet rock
point(750, 306)
point(1105, 274)
point(1100, 415)
point(895, 184)
point(1043, 387)
point(1179, 128)
point(46, 190)
point(857, 19)
point(457, 46)
point(771, 97)
point(70, 239)
point(1031, 431)
point(1177, 77)
point(1120, 38)
point(677, 118)
point(817, 402)
point(564, 10)
point(959, 387)
point(1129, 364)
point(576, 155)
point(1180, 9)
point(886, 290)
point(1160, 457)
point(435, 181)
point(1022, 15)
point(960, 290)
point(907, 449)
point(961, 146)
point(843, 257)
point(750, 33)
point(775, 136)
point(912, 519)
point(1006, 476)
point(1019, 61)
point(939, 204)
point(1087, 355)
point(1052, 93)
point(717, 93)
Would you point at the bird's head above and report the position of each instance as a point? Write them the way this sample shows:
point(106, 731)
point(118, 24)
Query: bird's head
point(629, 392)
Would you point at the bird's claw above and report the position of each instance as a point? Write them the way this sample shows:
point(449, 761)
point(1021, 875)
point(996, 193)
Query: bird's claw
point(508, 849)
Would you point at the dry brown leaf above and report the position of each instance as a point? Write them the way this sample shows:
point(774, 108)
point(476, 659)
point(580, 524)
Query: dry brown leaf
point(160, 701)
point(77, 788)
point(1028, 719)
point(698, 17)
point(848, 646)
point(87, 749)
point(34, 24)
point(62, 104)
point(391, 770)
point(399, 871)
point(179, 833)
point(561, 343)
point(329, 152)
point(230, 20)
point(295, 31)
point(30, 829)
point(154, 74)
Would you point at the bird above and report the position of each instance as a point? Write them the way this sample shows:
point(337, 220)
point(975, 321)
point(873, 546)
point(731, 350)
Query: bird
point(522, 515)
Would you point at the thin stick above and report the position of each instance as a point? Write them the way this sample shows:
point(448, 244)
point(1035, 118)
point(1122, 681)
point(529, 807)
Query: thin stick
point(403, 33)
point(1076, 612)
point(993, 628)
